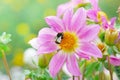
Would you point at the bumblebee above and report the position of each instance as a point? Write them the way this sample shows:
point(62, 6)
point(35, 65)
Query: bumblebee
point(59, 38)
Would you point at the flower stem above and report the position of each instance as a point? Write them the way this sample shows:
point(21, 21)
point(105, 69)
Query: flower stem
point(110, 69)
point(58, 77)
point(6, 64)
point(78, 77)
point(73, 77)
point(84, 71)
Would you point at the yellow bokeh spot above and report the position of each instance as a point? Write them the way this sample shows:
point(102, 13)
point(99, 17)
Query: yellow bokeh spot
point(7, 1)
point(29, 37)
point(49, 12)
point(23, 29)
point(69, 42)
point(18, 59)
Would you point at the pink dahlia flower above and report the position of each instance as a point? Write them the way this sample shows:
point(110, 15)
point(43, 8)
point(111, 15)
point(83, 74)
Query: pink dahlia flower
point(114, 60)
point(95, 13)
point(68, 37)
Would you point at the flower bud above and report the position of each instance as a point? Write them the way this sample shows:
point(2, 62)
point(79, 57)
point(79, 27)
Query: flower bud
point(100, 14)
point(111, 36)
point(118, 42)
point(44, 60)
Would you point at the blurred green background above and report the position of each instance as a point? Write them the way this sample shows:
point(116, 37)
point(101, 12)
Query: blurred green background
point(24, 18)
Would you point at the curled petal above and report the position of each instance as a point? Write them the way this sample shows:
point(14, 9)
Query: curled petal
point(56, 63)
point(72, 65)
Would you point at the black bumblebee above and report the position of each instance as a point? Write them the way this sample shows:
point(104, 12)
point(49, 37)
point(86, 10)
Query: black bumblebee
point(59, 38)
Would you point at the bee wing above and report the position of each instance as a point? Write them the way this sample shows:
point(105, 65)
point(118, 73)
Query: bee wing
point(59, 39)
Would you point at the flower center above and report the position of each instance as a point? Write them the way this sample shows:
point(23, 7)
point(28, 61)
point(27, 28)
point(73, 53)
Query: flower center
point(69, 42)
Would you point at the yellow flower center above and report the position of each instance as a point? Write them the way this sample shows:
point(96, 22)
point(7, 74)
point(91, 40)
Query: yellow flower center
point(69, 42)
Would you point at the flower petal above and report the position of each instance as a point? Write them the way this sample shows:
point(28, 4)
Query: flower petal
point(79, 19)
point(55, 23)
point(92, 14)
point(89, 33)
point(90, 50)
point(56, 63)
point(34, 43)
point(114, 60)
point(104, 23)
point(113, 20)
point(67, 18)
point(82, 55)
point(76, 2)
point(62, 8)
point(47, 47)
point(47, 31)
point(72, 65)
point(45, 37)
point(94, 4)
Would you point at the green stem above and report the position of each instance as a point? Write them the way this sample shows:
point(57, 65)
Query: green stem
point(109, 67)
point(58, 77)
point(6, 64)
point(84, 71)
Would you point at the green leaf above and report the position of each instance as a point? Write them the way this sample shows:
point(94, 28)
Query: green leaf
point(102, 36)
point(4, 47)
point(100, 68)
point(91, 68)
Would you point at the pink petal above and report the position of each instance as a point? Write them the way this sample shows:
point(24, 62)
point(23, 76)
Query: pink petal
point(82, 55)
point(94, 4)
point(76, 2)
point(47, 31)
point(90, 50)
point(114, 60)
point(67, 18)
point(47, 47)
point(34, 43)
point(113, 20)
point(79, 19)
point(56, 63)
point(55, 23)
point(104, 23)
point(62, 8)
point(72, 65)
point(92, 14)
point(89, 33)
point(45, 37)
